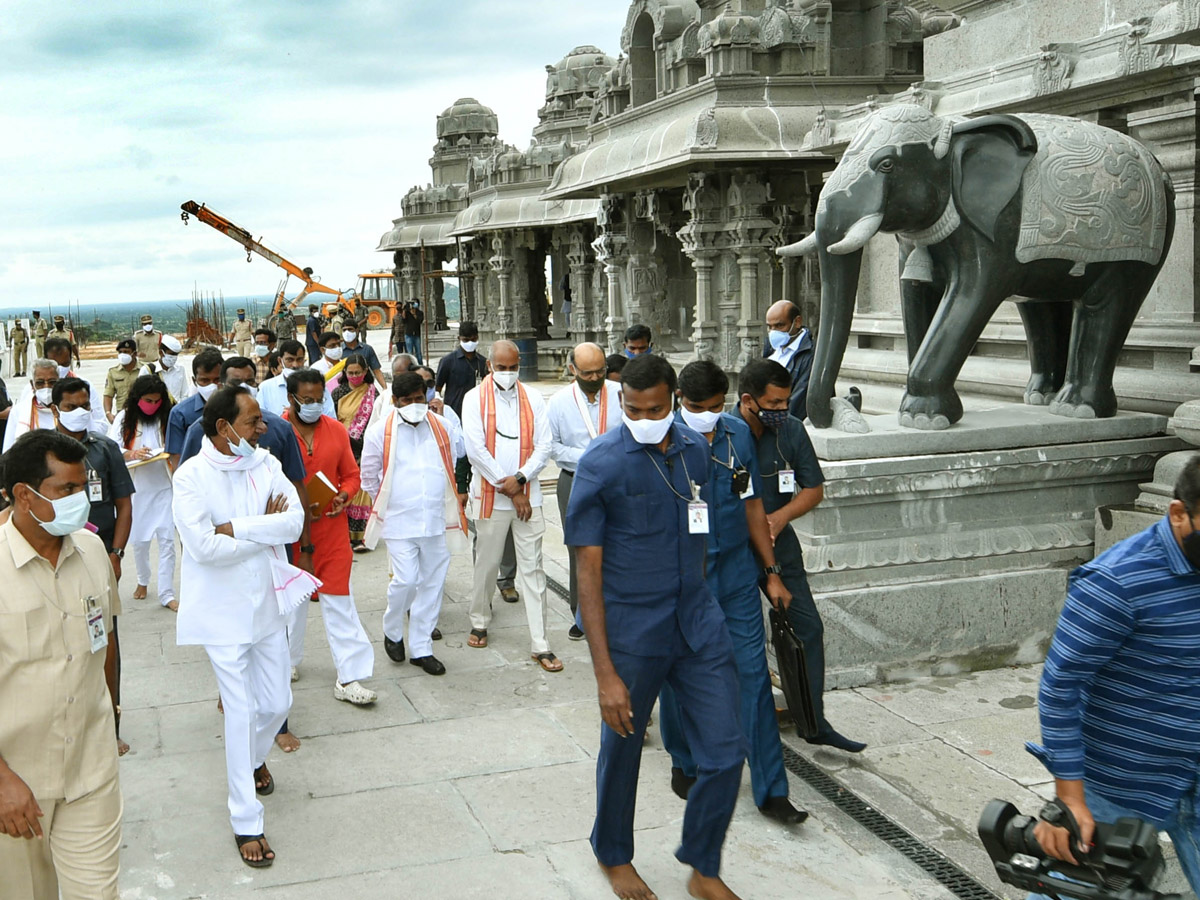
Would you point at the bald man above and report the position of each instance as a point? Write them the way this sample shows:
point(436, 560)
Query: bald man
point(508, 442)
point(790, 344)
point(578, 414)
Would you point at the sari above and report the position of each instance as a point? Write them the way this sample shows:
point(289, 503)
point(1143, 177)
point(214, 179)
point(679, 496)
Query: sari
point(354, 406)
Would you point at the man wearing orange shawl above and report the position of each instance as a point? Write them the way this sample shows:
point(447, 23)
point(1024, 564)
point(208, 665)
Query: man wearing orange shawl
point(507, 435)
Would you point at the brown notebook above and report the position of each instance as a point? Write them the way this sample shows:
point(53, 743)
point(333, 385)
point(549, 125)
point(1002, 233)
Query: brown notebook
point(320, 494)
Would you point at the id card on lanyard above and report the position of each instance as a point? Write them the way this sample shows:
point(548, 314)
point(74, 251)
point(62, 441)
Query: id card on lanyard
point(94, 614)
point(95, 486)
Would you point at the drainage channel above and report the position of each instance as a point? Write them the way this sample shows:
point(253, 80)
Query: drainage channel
point(944, 870)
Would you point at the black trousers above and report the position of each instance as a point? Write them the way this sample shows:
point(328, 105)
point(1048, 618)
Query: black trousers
point(803, 616)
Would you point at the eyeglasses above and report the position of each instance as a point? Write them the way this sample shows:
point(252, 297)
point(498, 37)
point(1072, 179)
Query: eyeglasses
point(45, 382)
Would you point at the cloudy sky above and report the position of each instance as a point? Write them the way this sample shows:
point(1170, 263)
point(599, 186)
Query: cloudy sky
point(304, 121)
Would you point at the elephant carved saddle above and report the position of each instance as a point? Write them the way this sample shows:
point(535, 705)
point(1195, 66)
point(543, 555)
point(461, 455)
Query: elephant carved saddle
point(1091, 195)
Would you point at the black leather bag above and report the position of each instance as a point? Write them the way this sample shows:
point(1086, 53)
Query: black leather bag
point(793, 674)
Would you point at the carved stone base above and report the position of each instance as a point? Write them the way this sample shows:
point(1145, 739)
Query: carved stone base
point(954, 561)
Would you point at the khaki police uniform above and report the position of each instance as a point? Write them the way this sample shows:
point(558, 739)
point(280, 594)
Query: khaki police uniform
point(41, 330)
point(18, 339)
point(242, 335)
point(147, 345)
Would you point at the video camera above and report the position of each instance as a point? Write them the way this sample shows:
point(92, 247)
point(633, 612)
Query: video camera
point(1124, 860)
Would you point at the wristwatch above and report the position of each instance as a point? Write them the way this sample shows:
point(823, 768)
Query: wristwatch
point(521, 479)
point(307, 548)
point(118, 552)
point(773, 570)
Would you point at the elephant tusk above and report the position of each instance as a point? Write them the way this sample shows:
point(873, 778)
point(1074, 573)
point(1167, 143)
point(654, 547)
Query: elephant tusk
point(858, 235)
point(806, 247)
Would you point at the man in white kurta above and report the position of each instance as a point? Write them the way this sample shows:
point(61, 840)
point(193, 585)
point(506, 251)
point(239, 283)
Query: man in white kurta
point(173, 375)
point(236, 512)
point(33, 408)
point(507, 436)
point(578, 414)
point(407, 465)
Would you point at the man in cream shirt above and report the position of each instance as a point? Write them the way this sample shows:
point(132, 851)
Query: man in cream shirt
point(507, 436)
point(60, 800)
point(235, 512)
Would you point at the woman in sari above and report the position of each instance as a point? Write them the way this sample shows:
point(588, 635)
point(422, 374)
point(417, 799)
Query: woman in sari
point(354, 398)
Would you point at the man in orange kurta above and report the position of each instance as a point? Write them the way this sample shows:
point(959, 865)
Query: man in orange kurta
point(325, 448)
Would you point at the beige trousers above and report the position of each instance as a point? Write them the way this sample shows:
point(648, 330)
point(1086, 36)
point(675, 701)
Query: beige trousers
point(490, 535)
point(78, 854)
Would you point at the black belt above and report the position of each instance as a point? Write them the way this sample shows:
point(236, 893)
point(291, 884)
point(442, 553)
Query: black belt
point(567, 472)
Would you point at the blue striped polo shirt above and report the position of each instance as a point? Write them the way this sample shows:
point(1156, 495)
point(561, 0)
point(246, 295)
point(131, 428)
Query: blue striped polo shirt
point(1119, 702)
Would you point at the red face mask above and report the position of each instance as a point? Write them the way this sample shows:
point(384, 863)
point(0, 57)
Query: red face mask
point(149, 407)
point(356, 380)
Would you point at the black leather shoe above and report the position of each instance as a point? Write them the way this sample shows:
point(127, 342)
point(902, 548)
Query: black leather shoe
point(681, 784)
point(394, 649)
point(831, 738)
point(431, 664)
point(576, 633)
point(781, 810)
point(437, 634)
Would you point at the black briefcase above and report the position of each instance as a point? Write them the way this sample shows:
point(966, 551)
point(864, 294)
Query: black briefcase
point(793, 674)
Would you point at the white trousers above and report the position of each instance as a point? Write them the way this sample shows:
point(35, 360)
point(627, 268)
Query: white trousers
point(490, 535)
point(166, 564)
point(348, 642)
point(256, 692)
point(419, 567)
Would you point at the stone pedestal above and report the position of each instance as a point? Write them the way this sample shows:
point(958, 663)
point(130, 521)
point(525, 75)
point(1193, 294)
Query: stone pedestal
point(949, 551)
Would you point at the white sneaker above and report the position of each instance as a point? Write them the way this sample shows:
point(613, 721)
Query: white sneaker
point(353, 693)
point(295, 675)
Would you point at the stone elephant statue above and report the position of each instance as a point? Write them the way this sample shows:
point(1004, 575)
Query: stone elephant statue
point(1070, 219)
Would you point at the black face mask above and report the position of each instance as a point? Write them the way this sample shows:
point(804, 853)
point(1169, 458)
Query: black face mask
point(590, 387)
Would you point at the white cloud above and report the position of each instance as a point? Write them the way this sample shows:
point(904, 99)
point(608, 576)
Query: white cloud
point(304, 122)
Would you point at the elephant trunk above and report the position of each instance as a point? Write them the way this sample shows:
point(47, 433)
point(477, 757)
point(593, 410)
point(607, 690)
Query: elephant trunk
point(839, 289)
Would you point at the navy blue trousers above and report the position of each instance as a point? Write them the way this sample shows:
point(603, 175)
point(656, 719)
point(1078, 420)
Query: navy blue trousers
point(705, 684)
point(743, 616)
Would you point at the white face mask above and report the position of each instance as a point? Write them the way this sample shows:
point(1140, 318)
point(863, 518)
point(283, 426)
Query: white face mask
point(505, 380)
point(70, 513)
point(350, 336)
point(286, 373)
point(44, 396)
point(251, 388)
point(63, 371)
point(333, 354)
point(168, 360)
point(310, 413)
point(414, 413)
point(125, 359)
point(469, 346)
point(261, 350)
point(75, 420)
point(148, 327)
point(242, 448)
point(703, 422)
point(647, 431)
point(206, 390)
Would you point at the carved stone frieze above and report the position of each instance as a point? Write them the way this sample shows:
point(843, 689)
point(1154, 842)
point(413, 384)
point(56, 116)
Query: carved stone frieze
point(1053, 69)
point(1136, 54)
point(702, 132)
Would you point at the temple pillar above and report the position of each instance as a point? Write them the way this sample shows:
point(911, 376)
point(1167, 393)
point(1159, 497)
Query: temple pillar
point(704, 332)
point(611, 249)
point(479, 279)
point(410, 276)
point(750, 325)
point(583, 323)
point(502, 264)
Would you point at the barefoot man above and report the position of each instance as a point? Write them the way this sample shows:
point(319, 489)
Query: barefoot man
point(638, 527)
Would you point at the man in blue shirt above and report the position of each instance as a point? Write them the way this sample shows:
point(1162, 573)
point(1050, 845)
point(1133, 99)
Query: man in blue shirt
point(737, 524)
point(638, 341)
point(1119, 703)
point(638, 527)
point(206, 372)
point(792, 486)
point(312, 333)
point(790, 344)
point(351, 346)
point(273, 393)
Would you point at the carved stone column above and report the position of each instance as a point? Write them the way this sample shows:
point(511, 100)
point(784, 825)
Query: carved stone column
point(611, 249)
point(479, 277)
point(410, 276)
point(502, 264)
point(751, 232)
point(702, 238)
point(584, 322)
point(466, 283)
point(704, 333)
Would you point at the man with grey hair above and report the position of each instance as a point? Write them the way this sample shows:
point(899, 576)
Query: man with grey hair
point(508, 442)
point(578, 414)
point(34, 408)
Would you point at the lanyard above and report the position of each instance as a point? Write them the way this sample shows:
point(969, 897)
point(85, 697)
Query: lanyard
point(695, 487)
point(787, 465)
point(734, 462)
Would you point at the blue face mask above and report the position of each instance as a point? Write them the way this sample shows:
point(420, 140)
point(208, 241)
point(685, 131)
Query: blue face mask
point(629, 354)
point(70, 513)
point(779, 339)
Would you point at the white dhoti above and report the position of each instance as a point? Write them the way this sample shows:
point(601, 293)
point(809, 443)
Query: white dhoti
point(490, 535)
point(419, 567)
point(256, 693)
point(352, 652)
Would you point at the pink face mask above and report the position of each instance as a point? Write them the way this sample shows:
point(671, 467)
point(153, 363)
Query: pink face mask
point(149, 407)
point(356, 380)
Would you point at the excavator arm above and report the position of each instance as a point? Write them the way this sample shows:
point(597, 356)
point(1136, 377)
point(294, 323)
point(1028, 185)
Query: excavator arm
point(243, 237)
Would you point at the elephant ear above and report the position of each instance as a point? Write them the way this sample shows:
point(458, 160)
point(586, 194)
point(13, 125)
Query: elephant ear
point(989, 156)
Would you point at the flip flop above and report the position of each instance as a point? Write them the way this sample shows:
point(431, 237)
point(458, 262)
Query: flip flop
point(477, 638)
point(269, 787)
point(263, 863)
point(548, 661)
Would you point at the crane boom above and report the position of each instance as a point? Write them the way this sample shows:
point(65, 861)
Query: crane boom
point(243, 237)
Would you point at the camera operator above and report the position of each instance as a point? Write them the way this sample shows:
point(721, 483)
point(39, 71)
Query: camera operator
point(1119, 703)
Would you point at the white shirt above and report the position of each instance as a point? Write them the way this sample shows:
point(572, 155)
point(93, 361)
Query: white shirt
point(569, 434)
point(273, 397)
point(785, 353)
point(323, 365)
point(226, 590)
point(415, 507)
point(175, 378)
point(508, 449)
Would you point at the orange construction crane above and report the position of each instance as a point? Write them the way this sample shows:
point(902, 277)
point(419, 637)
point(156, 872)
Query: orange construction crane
point(243, 237)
